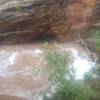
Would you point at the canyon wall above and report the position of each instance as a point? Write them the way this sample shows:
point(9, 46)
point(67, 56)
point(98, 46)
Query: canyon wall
point(27, 20)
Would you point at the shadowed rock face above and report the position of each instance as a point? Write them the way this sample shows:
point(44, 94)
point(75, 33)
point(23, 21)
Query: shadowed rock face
point(27, 20)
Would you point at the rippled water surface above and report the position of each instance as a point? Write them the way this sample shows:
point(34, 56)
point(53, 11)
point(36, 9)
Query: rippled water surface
point(21, 70)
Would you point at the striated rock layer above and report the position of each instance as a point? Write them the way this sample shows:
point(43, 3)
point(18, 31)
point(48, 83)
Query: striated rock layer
point(27, 20)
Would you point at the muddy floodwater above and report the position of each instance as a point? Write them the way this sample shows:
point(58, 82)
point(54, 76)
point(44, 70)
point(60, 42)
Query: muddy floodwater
point(21, 71)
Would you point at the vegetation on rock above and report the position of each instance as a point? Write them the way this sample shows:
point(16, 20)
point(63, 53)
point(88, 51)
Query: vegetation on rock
point(96, 39)
point(64, 77)
point(92, 78)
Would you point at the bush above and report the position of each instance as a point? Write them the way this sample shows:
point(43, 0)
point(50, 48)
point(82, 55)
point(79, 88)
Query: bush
point(93, 71)
point(68, 88)
point(96, 39)
point(56, 65)
point(94, 82)
point(71, 90)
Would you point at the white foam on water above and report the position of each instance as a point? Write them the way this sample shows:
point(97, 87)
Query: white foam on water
point(38, 51)
point(9, 58)
point(3, 62)
point(80, 64)
point(12, 58)
point(6, 59)
point(34, 52)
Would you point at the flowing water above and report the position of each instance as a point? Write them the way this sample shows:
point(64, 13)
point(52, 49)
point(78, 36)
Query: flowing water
point(21, 71)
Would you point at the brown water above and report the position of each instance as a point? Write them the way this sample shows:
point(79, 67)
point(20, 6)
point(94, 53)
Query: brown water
point(21, 71)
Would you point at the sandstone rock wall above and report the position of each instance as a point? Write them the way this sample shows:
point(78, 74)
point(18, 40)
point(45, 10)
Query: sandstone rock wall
point(26, 20)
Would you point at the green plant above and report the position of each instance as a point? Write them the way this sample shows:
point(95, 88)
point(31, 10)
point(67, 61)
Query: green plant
point(93, 82)
point(67, 88)
point(96, 70)
point(56, 65)
point(96, 39)
point(88, 75)
point(18, 6)
point(71, 90)
point(93, 71)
